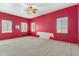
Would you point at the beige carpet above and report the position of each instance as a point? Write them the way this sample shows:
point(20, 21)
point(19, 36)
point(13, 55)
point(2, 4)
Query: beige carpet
point(32, 46)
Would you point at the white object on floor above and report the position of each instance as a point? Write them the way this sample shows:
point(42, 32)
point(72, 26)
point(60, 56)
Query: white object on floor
point(45, 35)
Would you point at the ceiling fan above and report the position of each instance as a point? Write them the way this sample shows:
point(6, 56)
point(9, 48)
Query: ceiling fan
point(30, 8)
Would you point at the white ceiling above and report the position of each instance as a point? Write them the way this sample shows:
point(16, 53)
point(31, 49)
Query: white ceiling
point(43, 8)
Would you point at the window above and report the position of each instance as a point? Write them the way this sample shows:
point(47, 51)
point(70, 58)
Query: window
point(33, 27)
point(62, 25)
point(24, 27)
point(6, 26)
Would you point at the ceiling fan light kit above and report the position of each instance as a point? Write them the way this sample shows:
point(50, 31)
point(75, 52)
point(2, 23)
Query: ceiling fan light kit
point(31, 10)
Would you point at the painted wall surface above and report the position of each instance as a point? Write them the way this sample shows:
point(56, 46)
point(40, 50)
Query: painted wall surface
point(78, 24)
point(47, 23)
point(16, 21)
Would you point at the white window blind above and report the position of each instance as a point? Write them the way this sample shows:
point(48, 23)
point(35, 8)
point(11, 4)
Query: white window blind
point(33, 27)
point(62, 25)
point(6, 26)
point(24, 27)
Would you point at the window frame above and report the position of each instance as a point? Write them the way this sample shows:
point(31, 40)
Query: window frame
point(62, 25)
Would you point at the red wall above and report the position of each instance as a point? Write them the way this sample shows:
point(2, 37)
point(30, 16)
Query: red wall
point(78, 24)
point(16, 21)
point(47, 23)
